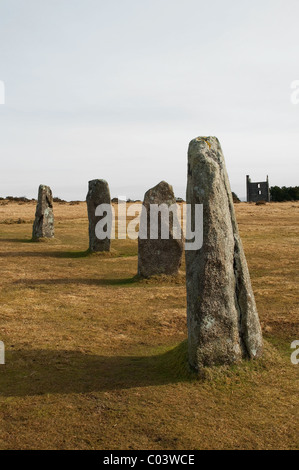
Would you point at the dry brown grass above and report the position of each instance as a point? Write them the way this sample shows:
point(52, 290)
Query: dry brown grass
point(95, 359)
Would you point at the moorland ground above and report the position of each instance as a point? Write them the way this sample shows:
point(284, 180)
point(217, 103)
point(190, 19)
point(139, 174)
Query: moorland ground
point(96, 358)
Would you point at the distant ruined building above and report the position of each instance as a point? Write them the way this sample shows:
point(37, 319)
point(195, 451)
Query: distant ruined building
point(257, 191)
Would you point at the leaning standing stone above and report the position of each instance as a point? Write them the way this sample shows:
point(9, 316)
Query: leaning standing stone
point(98, 194)
point(162, 255)
point(223, 322)
point(43, 226)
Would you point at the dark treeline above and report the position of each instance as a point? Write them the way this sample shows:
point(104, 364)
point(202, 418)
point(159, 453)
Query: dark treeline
point(284, 194)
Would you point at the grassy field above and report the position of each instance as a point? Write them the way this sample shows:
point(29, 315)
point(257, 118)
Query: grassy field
point(96, 359)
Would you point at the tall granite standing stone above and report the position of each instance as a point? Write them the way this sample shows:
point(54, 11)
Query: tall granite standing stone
point(43, 226)
point(98, 193)
point(223, 322)
point(159, 256)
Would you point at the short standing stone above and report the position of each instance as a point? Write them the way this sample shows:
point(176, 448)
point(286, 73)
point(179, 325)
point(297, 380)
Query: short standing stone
point(98, 194)
point(43, 226)
point(160, 256)
point(223, 323)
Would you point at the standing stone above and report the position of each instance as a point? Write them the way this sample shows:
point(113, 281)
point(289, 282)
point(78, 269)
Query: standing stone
point(159, 256)
point(98, 193)
point(43, 226)
point(223, 323)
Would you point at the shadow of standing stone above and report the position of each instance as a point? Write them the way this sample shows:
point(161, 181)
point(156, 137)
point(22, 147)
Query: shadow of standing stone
point(160, 256)
point(43, 226)
point(98, 194)
point(223, 322)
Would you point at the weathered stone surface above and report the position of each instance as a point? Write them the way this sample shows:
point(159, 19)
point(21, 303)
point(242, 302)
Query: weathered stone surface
point(98, 193)
point(223, 323)
point(43, 226)
point(160, 256)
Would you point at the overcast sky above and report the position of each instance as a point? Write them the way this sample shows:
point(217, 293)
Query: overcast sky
point(116, 90)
